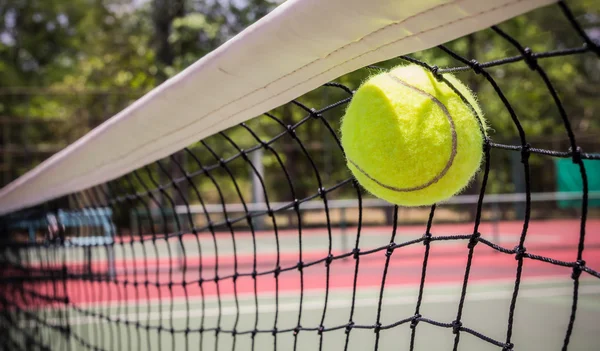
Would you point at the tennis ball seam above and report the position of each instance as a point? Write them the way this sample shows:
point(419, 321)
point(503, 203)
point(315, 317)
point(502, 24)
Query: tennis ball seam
point(453, 150)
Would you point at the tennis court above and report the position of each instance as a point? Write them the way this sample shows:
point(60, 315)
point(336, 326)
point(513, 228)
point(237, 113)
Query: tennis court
point(227, 208)
point(544, 307)
point(165, 308)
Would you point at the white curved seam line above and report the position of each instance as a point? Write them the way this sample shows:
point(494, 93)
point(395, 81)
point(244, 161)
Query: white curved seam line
point(453, 148)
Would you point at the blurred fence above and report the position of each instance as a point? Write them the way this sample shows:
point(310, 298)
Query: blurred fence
point(153, 233)
point(344, 214)
point(548, 205)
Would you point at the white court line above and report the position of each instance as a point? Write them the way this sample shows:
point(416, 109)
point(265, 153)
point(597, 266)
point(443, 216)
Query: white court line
point(333, 304)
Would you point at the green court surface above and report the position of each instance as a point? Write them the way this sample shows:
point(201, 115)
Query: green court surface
point(540, 323)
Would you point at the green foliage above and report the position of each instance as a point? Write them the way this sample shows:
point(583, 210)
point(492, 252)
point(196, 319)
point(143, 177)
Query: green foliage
point(93, 57)
point(192, 36)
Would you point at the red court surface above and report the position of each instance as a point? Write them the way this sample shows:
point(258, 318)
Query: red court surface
point(446, 264)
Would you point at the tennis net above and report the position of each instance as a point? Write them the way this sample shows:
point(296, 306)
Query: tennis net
point(212, 246)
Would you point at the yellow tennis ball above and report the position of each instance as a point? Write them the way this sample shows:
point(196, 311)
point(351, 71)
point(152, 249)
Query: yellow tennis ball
point(410, 139)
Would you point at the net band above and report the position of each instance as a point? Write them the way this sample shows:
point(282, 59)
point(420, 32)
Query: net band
point(246, 84)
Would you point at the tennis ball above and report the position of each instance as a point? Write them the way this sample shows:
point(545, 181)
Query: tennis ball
point(410, 139)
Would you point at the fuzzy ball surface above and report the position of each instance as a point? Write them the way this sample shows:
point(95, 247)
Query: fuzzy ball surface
point(410, 139)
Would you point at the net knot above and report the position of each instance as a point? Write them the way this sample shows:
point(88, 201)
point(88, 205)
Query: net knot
point(233, 332)
point(297, 329)
point(456, 325)
point(577, 269)
point(576, 155)
point(474, 240)
point(595, 48)
point(300, 266)
point(296, 204)
point(314, 114)
point(235, 276)
point(291, 131)
point(426, 239)
point(274, 331)
point(254, 274)
point(525, 153)
point(390, 249)
point(244, 154)
point(216, 278)
point(530, 59)
point(475, 66)
point(415, 321)
point(321, 191)
point(435, 70)
point(253, 334)
point(321, 329)
point(349, 327)
point(328, 260)
point(487, 144)
point(356, 253)
point(520, 252)
point(200, 281)
point(508, 347)
point(277, 271)
point(217, 330)
point(377, 328)
point(187, 331)
point(222, 162)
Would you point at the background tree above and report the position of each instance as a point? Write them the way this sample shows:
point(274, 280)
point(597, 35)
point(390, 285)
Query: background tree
point(64, 68)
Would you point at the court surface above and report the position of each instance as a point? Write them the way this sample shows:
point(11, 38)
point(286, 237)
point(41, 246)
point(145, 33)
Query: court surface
point(540, 322)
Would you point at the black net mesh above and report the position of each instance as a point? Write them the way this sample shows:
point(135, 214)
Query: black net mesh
point(234, 242)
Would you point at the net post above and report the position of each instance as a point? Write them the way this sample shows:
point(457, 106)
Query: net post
point(518, 180)
point(496, 214)
point(258, 196)
point(343, 232)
